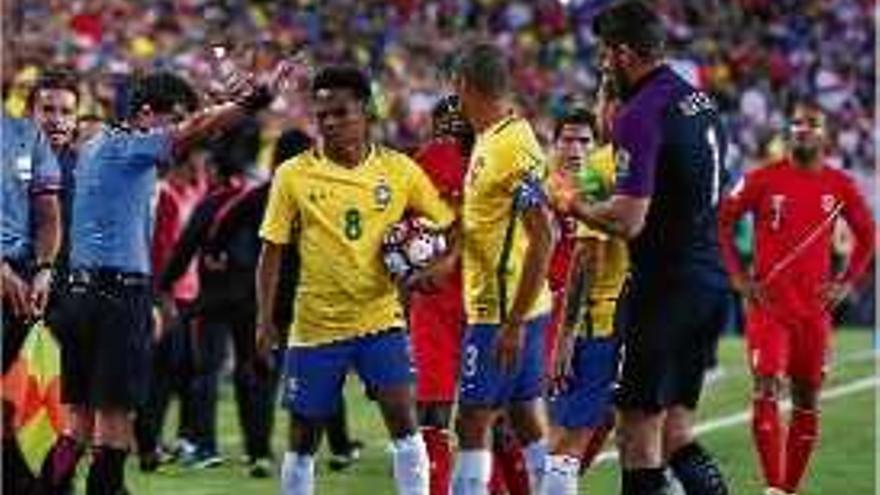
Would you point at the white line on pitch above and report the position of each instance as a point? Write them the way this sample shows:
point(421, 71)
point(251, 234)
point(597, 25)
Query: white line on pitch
point(745, 416)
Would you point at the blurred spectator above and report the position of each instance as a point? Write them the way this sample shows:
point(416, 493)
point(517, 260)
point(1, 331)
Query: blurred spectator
point(755, 56)
point(178, 193)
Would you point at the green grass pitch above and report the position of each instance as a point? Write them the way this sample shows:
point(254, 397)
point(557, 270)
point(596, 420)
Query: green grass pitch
point(845, 462)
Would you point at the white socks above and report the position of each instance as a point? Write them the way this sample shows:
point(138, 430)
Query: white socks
point(561, 476)
point(297, 474)
point(536, 458)
point(411, 465)
point(472, 471)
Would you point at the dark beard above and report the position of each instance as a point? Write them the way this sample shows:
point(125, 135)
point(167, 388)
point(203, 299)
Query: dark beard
point(804, 154)
point(616, 84)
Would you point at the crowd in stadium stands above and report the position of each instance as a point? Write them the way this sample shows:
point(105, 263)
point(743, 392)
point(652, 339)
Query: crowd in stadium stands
point(754, 56)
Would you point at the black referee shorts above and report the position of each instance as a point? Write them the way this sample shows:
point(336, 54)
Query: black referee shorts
point(104, 323)
point(670, 337)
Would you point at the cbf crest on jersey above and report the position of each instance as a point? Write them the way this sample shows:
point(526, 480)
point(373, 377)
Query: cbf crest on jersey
point(382, 195)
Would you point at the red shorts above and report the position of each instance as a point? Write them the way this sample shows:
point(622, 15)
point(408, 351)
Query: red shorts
point(436, 327)
point(781, 343)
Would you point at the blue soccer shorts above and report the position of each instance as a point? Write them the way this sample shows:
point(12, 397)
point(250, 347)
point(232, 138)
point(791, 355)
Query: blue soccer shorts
point(588, 397)
point(484, 384)
point(315, 376)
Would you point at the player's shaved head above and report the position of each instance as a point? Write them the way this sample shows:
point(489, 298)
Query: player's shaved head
point(485, 68)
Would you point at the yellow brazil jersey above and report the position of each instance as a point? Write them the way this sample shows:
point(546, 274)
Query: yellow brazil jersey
point(612, 271)
point(337, 216)
point(505, 157)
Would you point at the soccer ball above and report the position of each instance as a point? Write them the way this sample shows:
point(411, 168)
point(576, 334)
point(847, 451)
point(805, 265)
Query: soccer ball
point(410, 245)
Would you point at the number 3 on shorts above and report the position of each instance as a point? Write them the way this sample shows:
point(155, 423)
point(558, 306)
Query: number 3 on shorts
point(470, 360)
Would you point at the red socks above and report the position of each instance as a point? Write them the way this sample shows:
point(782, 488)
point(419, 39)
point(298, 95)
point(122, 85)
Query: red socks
point(801, 440)
point(509, 463)
point(783, 469)
point(496, 482)
point(769, 437)
point(440, 458)
point(597, 441)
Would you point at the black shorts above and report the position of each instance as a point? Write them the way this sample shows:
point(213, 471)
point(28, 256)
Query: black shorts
point(104, 323)
point(670, 337)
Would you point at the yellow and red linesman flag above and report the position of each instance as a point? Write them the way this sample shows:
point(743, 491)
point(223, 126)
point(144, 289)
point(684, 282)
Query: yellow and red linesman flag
point(33, 385)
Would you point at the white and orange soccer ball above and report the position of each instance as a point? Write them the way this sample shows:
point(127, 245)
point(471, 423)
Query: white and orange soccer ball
point(410, 245)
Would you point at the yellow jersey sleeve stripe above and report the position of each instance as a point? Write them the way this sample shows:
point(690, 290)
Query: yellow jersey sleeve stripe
point(501, 269)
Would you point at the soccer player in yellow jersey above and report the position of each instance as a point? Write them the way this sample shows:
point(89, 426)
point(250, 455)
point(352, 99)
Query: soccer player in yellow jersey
point(587, 349)
point(507, 240)
point(335, 202)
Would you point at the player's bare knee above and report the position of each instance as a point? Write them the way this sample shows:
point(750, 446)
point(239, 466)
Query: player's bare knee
point(527, 420)
point(768, 387)
point(640, 438)
point(398, 410)
point(473, 427)
point(677, 429)
point(304, 435)
point(572, 442)
point(804, 395)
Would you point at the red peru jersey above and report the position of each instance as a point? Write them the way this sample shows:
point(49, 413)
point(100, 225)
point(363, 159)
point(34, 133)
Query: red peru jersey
point(795, 211)
point(444, 162)
point(562, 251)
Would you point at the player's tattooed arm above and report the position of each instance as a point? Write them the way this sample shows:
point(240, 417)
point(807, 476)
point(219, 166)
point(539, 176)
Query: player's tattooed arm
point(575, 312)
point(577, 287)
point(538, 226)
point(620, 216)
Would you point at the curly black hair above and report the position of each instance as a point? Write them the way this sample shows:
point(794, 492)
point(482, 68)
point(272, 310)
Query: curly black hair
point(343, 77)
point(162, 92)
